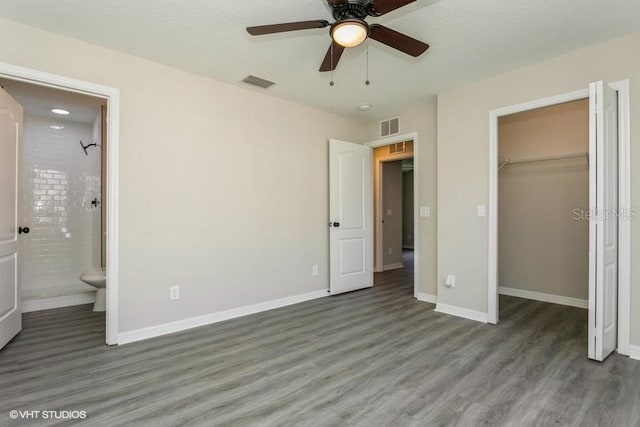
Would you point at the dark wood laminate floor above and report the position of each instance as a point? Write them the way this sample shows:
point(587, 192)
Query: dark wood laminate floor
point(369, 358)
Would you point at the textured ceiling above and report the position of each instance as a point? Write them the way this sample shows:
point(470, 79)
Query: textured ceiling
point(39, 100)
point(469, 40)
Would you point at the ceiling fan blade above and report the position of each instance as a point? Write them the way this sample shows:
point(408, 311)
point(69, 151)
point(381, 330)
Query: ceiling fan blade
point(380, 7)
point(327, 63)
point(288, 26)
point(397, 40)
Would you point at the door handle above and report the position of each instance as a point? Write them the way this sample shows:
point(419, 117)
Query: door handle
point(23, 230)
point(336, 224)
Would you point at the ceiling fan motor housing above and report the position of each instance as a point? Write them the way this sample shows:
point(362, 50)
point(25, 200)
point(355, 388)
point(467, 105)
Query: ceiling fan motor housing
point(354, 9)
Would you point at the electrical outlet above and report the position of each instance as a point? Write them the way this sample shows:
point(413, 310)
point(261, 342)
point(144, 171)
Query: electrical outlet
point(174, 293)
point(425, 211)
point(314, 270)
point(389, 212)
point(482, 210)
point(390, 251)
point(451, 281)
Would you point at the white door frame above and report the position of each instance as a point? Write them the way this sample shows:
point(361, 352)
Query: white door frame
point(624, 201)
point(112, 96)
point(416, 208)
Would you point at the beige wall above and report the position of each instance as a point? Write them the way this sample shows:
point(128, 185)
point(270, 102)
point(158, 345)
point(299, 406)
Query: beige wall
point(223, 191)
point(392, 202)
point(421, 118)
point(407, 209)
point(543, 247)
point(463, 149)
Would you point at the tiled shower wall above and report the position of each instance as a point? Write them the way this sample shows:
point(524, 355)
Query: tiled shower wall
point(59, 182)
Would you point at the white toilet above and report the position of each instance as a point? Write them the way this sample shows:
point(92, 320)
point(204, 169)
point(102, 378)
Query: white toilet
point(97, 278)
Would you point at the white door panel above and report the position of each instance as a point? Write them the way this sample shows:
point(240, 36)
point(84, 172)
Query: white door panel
point(10, 298)
point(603, 231)
point(350, 216)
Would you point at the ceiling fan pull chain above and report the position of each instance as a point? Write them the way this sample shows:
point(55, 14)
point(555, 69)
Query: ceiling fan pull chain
point(367, 82)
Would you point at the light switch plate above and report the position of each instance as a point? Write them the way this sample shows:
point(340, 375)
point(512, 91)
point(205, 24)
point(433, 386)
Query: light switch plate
point(482, 210)
point(425, 211)
point(389, 212)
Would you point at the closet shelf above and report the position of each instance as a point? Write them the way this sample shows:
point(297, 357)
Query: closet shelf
point(506, 161)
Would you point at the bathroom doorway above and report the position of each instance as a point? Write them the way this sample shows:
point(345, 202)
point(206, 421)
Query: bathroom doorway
point(61, 199)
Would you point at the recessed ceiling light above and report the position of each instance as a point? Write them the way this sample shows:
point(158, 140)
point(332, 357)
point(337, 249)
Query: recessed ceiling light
point(56, 127)
point(364, 107)
point(59, 111)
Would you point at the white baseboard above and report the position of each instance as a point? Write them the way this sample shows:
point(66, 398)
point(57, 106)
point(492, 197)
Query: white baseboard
point(539, 296)
point(207, 319)
point(392, 266)
point(634, 352)
point(48, 303)
point(421, 296)
point(452, 310)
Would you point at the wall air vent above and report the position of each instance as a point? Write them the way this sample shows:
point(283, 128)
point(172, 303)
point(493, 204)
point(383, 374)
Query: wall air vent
point(390, 127)
point(397, 148)
point(257, 81)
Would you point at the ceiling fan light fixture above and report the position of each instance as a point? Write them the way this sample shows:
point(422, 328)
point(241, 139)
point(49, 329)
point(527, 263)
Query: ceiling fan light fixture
point(350, 32)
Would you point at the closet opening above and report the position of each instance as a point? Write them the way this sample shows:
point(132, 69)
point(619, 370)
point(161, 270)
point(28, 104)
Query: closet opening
point(543, 205)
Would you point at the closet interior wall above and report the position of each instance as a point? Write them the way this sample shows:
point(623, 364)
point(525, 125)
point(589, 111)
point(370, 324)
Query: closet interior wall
point(543, 201)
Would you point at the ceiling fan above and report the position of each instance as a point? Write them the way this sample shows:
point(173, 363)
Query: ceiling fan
point(351, 30)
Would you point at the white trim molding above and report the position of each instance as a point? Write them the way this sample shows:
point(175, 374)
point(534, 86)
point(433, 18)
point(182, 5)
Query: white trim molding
point(48, 303)
point(424, 297)
point(208, 319)
point(453, 310)
point(634, 352)
point(112, 95)
point(392, 266)
point(540, 296)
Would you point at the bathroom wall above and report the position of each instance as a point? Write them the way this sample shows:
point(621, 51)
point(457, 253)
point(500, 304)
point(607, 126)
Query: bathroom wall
point(59, 182)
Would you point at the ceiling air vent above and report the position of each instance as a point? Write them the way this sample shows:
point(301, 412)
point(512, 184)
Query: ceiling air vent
point(257, 81)
point(390, 127)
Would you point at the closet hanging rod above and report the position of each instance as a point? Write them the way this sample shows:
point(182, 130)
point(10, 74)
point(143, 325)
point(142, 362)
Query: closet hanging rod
point(508, 161)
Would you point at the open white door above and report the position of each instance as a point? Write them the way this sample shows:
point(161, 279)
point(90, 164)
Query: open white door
point(603, 227)
point(350, 217)
point(10, 299)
